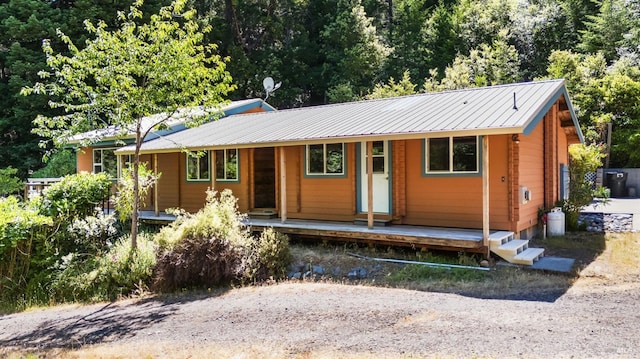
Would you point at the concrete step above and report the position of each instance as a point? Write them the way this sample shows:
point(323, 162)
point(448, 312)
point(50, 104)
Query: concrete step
point(500, 237)
point(528, 256)
point(511, 248)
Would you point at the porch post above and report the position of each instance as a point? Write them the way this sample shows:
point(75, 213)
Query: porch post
point(283, 185)
point(370, 184)
point(212, 170)
point(156, 209)
point(485, 193)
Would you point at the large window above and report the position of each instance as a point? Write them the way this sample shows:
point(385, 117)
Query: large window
point(452, 154)
point(227, 165)
point(105, 160)
point(325, 159)
point(198, 167)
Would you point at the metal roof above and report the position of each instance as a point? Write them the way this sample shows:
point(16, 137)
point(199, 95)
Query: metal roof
point(488, 110)
point(176, 121)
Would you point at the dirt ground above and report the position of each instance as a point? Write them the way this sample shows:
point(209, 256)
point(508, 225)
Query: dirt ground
point(597, 316)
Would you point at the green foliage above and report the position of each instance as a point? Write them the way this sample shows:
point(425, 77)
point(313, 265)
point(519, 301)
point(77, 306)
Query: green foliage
point(219, 217)
point(484, 66)
point(93, 233)
point(353, 50)
point(18, 222)
point(213, 247)
point(105, 276)
point(419, 272)
point(343, 92)
point(124, 74)
point(392, 89)
point(266, 256)
point(606, 31)
point(75, 196)
point(9, 184)
point(61, 163)
point(21, 227)
point(604, 95)
point(124, 201)
point(583, 159)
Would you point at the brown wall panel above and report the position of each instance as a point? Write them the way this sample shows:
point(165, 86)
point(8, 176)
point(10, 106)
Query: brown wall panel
point(531, 169)
point(168, 185)
point(84, 160)
point(456, 201)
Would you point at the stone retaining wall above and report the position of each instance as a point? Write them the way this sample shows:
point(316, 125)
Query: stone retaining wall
point(606, 222)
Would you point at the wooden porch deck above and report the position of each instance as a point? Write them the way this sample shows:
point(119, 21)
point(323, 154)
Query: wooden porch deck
point(404, 235)
point(400, 235)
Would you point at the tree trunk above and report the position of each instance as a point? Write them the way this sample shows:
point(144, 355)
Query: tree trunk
point(136, 191)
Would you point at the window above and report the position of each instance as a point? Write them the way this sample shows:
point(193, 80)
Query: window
point(227, 165)
point(452, 154)
point(378, 157)
point(198, 167)
point(105, 160)
point(325, 159)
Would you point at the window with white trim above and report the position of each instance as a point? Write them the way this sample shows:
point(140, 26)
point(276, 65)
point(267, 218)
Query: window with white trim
point(105, 160)
point(325, 159)
point(227, 165)
point(452, 154)
point(198, 167)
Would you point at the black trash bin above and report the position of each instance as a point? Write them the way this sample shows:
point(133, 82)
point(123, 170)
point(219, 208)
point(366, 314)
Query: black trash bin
point(617, 183)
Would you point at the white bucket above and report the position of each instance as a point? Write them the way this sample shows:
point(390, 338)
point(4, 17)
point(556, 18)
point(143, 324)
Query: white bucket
point(555, 222)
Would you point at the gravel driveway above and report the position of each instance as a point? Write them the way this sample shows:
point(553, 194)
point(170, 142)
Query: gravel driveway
point(337, 320)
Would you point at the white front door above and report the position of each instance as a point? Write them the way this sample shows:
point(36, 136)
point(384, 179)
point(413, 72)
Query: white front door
point(380, 177)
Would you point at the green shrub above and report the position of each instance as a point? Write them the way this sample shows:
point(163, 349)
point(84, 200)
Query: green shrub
point(214, 247)
point(118, 272)
point(9, 184)
point(75, 196)
point(92, 234)
point(266, 256)
point(21, 227)
point(69, 203)
point(218, 218)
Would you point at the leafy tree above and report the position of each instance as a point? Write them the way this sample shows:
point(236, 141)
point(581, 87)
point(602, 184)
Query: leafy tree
point(604, 94)
point(23, 25)
point(353, 50)
point(9, 184)
point(539, 27)
point(392, 89)
point(487, 65)
point(606, 31)
point(125, 74)
point(59, 164)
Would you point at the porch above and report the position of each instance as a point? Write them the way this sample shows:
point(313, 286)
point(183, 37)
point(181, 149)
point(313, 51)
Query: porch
point(400, 235)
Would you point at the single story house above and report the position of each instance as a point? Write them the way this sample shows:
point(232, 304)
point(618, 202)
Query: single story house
point(481, 159)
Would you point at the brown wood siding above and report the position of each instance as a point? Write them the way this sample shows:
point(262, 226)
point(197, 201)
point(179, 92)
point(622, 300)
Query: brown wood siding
point(240, 189)
point(456, 201)
point(84, 160)
point(192, 194)
point(293, 175)
point(169, 183)
point(531, 171)
point(324, 198)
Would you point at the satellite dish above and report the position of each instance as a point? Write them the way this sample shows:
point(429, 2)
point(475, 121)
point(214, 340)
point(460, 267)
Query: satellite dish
point(269, 86)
